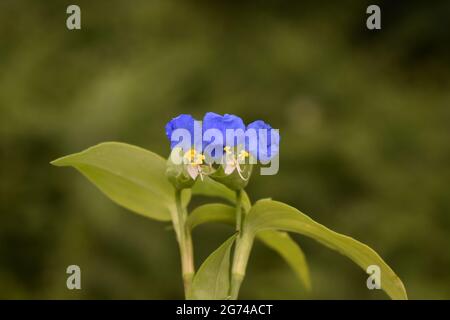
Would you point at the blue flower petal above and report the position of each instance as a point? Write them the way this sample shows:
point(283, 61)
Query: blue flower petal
point(213, 120)
point(272, 146)
point(183, 121)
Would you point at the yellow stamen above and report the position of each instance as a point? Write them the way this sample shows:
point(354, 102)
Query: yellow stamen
point(243, 154)
point(190, 155)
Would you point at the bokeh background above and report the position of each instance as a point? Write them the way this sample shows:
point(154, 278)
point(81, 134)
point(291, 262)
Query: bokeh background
point(364, 118)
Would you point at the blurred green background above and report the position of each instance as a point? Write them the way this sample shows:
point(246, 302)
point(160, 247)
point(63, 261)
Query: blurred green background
point(364, 118)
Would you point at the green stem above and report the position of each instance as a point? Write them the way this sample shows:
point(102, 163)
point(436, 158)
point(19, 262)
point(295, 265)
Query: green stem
point(239, 213)
point(237, 277)
point(240, 259)
point(185, 244)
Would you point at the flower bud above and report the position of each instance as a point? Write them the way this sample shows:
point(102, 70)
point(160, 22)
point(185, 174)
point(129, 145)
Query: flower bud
point(234, 180)
point(176, 171)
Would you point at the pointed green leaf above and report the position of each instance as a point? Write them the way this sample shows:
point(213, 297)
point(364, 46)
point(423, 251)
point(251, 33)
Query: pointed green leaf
point(211, 212)
point(212, 280)
point(273, 215)
point(290, 251)
point(210, 188)
point(130, 176)
point(278, 241)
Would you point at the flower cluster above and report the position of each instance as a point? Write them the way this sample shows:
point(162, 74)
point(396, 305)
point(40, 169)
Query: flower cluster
point(220, 145)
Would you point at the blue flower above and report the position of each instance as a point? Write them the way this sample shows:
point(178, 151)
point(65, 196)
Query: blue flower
point(262, 144)
point(216, 121)
point(183, 121)
point(269, 147)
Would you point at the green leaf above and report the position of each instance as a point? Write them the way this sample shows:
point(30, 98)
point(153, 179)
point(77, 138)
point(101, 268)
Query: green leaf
point(211, 212)
point(210, 188)
point(290, 251)
point(278, 241)
point(212, 280)
point(130, 176)
point(270, 215)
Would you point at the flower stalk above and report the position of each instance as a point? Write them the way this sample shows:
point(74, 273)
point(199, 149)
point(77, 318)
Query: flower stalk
point(240, 259)
point(239, 212)
point(241, 251)
point(185, 244)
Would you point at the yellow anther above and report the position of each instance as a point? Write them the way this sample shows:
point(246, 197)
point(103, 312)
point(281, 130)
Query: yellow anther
point(194, 157)
point(199, 159)
point(227, 149)
point(244, 154)
point(190, 155)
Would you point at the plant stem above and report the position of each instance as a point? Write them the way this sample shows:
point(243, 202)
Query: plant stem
point(185, 244)
point(239, 213)
point(240, 259)
point(236, 277)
